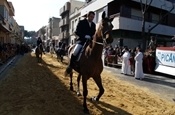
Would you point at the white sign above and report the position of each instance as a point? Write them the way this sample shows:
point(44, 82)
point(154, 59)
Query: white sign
point(165, 57)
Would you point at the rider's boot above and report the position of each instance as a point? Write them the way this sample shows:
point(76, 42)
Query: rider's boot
point(72, 61)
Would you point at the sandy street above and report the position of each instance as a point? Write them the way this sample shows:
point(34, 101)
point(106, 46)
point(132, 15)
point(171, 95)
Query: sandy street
point(41, 89)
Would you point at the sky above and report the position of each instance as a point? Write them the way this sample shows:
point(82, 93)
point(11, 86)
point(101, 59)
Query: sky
point(33, 14)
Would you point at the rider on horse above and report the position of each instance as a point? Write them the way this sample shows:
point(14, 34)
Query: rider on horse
point(61, 48)
point(40, 42)
point(85, 30)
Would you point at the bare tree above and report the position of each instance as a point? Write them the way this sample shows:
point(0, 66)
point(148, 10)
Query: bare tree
point(160, 20)
point(144, 9)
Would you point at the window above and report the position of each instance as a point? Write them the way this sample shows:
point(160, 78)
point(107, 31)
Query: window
point(76, 22)
point(155, 17)
point(2, 10)
point(72, 26)
point(136, 14)
point(5, 13)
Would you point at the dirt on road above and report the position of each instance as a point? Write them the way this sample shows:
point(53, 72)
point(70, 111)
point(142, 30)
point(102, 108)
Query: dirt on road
point(32, 88)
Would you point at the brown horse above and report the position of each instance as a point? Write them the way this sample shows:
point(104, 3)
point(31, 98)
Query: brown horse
point(90, 63)
point(38, 52)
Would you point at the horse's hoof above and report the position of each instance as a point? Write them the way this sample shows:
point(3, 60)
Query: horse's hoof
point(94, 99)
point(78, 94)
point(86, 111)
point(71, 88)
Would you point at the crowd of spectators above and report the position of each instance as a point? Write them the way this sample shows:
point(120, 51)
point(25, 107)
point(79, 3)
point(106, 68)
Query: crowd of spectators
point(8, 50)
point(113, 55)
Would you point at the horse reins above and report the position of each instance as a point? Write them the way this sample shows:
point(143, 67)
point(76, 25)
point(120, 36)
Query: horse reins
point(104, 40)
point(98, 42)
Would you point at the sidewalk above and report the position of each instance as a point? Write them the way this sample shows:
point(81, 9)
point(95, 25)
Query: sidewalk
point(6, 65)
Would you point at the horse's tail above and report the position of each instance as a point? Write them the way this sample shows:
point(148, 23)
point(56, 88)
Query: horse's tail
point(68, 71)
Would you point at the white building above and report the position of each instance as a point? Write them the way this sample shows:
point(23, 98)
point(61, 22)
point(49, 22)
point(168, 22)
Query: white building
point(128, 19)
point(52, 31)
point(74, 18)
point(64, 24)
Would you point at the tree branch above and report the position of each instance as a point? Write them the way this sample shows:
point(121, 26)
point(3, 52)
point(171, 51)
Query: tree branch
point(160, 20)
point(149, 4)
point(141, 4)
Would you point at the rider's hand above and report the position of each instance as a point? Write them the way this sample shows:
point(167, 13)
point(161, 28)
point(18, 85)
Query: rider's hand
point(88, 37)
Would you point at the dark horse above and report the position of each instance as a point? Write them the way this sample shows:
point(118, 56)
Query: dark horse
point(38, 52)
point(90, 63)
point(60, 52)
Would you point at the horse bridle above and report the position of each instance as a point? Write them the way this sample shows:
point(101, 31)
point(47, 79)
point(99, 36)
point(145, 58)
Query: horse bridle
point(104, 39)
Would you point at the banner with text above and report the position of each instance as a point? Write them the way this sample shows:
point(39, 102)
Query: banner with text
point(165, 57)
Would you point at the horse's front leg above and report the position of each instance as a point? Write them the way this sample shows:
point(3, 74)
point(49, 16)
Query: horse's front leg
point(71, 84)
point(85, 93)
point(98, 81)
point(78, 85)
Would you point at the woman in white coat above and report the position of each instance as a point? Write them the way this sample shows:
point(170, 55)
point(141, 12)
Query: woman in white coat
point(138, 65)
point(126, 68)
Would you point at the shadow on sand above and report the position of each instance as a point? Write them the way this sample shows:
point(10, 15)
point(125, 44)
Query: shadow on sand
point(38, 91)
point(110, 109)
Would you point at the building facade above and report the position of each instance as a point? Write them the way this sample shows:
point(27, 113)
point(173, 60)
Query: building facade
point(54, 30)
point(74, 18)
point(128, 19)
point(65, 11)
point(9, 29)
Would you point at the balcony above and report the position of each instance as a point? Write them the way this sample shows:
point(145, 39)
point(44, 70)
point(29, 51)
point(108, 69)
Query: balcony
point(61, 23)
point(129, 24)
point(62, 10)
point(65, 8)
point(66, 21)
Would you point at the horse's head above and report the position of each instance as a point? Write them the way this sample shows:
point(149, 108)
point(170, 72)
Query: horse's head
point(105, 29)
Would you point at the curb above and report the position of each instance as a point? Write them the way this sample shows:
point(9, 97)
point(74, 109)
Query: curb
point(2, 69)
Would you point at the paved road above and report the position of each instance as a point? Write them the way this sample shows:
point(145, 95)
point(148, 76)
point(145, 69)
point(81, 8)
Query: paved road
point(161, 85)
